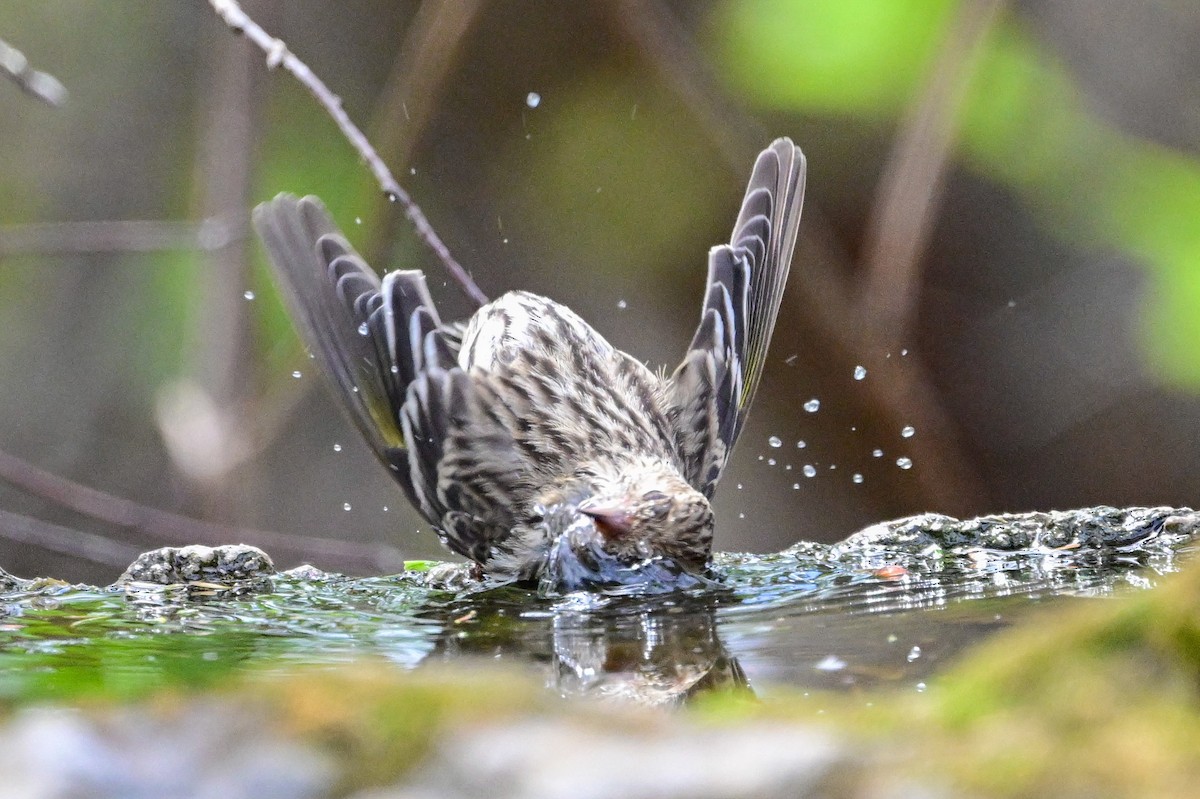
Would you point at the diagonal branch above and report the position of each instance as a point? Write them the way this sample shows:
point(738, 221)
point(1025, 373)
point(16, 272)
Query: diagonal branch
point(278, 55)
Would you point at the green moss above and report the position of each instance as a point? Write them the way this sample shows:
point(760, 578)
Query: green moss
point(377, 721)
point(1096, 699)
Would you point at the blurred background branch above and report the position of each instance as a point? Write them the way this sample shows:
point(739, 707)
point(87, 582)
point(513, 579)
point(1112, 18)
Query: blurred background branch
point(432, 49)
point(118, 236)
point(910, 190)
point(153, 527)
point(41, 85)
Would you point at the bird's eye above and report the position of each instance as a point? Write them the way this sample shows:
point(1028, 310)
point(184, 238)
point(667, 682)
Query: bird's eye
point(658, 504)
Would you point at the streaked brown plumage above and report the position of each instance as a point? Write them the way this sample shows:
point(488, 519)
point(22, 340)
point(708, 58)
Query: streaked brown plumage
point(534, 447)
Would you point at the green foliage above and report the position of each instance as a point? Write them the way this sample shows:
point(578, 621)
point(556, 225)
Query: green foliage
point(1024, 123)
point(857, 57)
point(627, 190)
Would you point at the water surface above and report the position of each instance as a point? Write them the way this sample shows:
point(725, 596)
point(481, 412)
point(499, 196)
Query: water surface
point(810, 617)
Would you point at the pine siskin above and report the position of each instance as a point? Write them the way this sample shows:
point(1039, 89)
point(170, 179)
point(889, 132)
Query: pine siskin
point(535, 448)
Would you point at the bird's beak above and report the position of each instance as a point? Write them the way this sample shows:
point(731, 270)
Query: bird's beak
point(611, 519)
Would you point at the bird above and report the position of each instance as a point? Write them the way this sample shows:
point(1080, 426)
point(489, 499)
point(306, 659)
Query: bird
point(537, 450)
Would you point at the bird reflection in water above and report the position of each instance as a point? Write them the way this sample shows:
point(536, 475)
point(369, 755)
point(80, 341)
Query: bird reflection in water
point(649, 651)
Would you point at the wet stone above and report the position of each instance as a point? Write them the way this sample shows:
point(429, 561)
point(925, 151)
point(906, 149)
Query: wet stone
point(1101, 528)
point(10, 583)
point(447, 577)
point(227, 566)
point(306, 572)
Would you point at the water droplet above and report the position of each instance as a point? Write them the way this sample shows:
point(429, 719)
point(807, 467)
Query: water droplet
point(741, 515)
point(770, 461)
point(345, 506)
point(358, 220)
point(362, 329)
point(395, 369)
point(908, 432)
point(920, 687)
point(860, 372)
point(809, 470)
point(796, 486)
point(412, 170)
point(857, 477)
point(813, 405)
point(385, 508)
point(913, 654)
point(878, 453)
point(337, 447)
point(533, 99)
point(801, 444)
point(775, 441)
point(830, 663)
point(832, 466)
point(1012, 303)
point(249, 295)
point(903, 353)
point(622, 304)
point(904, 463)
point(296, 374)
point(392, 197)
point(788, 467)
point(739, 486)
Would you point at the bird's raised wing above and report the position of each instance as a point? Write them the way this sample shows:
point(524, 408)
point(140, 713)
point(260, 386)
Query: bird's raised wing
point(713, 387)
point(371, 337)
point(393, 365)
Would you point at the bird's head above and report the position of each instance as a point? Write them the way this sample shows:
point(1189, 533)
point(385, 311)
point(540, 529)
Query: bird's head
point(645, 527)
point(646, 515)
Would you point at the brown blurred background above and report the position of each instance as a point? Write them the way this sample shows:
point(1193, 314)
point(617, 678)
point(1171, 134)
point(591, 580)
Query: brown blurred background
point(1009, 193)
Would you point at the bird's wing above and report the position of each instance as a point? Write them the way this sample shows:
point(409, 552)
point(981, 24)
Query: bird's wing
point(466, 472)
point(372, 337)
point(713, 387)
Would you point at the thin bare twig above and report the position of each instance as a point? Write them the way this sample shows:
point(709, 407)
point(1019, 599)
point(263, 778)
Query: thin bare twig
point(910, 190)
point(41, 85)
point(278, 55)
point(154, 525)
